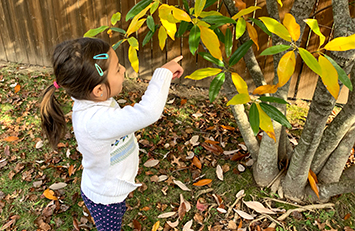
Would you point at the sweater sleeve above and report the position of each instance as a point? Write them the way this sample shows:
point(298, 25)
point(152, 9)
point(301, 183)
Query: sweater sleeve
point(108, 123)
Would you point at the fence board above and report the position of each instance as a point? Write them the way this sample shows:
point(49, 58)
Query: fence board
point(31, 29)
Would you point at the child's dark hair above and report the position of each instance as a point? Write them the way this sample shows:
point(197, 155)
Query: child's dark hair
point(75, 71)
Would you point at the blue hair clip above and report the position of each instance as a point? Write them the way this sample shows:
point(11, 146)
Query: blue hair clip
point(100, 56)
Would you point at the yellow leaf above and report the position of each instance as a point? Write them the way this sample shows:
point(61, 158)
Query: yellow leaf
point(279, 1)
point(204, 73)
point(11, 138)
point(239, 99)
point(156, 226)
point(170, 28)
point(133, 58)
point(313, 184)
point(329, 76)
point(277, 28)
point(265, 89)
point(199, 5)
point(286, 68)
point(239, 83)
point(253, 34)
point(245, 12)
point(49, 194)
point(240, 28)
point(202, 182)
point(202, 23)
point(210, 13)
point(341, 44)
point(210, 40)
point(162, 37)
point(134, 26)
point(292, 26)
point(313, 24)
point(266, 123)
point(181, 15)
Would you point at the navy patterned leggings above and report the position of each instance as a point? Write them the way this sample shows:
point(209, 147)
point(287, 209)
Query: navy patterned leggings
point(106, 217)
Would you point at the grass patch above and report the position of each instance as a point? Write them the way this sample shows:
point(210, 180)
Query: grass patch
point(28, 169)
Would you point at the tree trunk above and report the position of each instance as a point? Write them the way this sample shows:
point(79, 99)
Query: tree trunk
point(322, 105)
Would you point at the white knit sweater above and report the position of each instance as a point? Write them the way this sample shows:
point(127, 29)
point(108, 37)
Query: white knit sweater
point(105, 137)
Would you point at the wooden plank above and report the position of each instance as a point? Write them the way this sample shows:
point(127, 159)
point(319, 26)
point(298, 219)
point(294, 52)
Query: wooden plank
point(9, 44)
point(61, 21)
point(125, 8)
point(28, 33)
point(16, 34)
point(74, 21)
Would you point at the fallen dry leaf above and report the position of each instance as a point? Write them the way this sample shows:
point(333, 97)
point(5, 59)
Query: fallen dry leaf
point(167, 215)
point(312, 182)
point(187, 226)
point(181, 185)
point(17, 88)
point(156, 226)
point(196, 162)
point(258, 207)
point(57, 186)
point(219, 172)
point(201, 204)
point(49, 194)
point(173, 224)
point(202, 182)
point(11, 138)
point(244, 215)
point(151, 163)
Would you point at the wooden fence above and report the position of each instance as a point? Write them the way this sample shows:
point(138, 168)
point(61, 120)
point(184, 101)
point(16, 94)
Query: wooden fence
point(31, 28)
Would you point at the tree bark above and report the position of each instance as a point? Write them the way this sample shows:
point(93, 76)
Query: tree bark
point(322, 105)
point(333, 169)
point(346, 184)
point(335, 132)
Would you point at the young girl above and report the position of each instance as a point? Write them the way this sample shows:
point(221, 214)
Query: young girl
point(89, 71)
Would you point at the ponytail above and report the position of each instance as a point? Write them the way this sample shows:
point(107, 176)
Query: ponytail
point(52, 117)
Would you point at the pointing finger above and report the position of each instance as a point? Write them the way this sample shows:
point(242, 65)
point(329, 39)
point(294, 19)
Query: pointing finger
point(178, 59)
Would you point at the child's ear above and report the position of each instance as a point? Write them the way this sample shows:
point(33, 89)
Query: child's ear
point(98, 91)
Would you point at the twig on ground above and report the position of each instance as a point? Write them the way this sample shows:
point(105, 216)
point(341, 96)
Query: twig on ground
point(281, 201)
point(199, 193)
point(231, 207)
point(304, 208)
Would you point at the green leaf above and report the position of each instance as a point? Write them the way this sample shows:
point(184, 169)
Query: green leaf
point(240, 28)
point(275, 114)
point(137, 8)
point(218, 20)
point(116, 45)
point(199, 5)
point(310, 61)
point(240, 52)
point(343, 77)
point(133, 42)
point(186, 5)
point(150, 23)
point(254, 118)
point(96, 31)
point(148, 37)
point(211, 59)
point(228, 42)
point(194, 39)
point(272, 99)
point(239, 99)
point(119, 30)
point(219, 34)
point(261, 25)
point(275, 49)
point(183, 28)
point(209, 3)
point(115, 18)
point(277, 28)
point(204, 73)
point(216, 85)
point(154, 7)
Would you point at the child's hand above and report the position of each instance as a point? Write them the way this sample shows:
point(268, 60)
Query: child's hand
point(174, 67)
